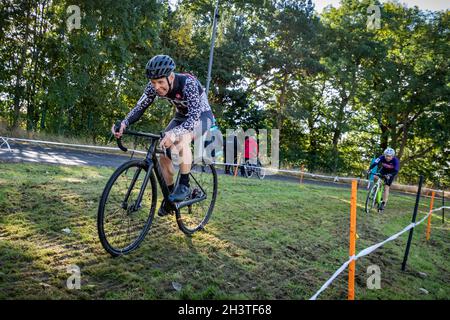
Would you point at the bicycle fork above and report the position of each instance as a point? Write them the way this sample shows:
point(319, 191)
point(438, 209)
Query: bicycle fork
point(138, 203)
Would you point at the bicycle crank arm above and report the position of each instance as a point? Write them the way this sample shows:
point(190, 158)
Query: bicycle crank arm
point(183, 204)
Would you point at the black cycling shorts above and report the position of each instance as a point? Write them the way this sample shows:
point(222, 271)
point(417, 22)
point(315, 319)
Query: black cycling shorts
point(207, 119)
point(390, 180)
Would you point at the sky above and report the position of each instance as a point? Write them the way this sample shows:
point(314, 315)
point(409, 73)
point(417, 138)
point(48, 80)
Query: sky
point(433, 5)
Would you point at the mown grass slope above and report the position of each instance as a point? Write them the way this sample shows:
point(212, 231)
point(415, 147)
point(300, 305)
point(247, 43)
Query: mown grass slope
point(265, 240)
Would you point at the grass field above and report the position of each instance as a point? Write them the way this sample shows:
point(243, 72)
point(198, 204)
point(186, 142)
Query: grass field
point(265, 240)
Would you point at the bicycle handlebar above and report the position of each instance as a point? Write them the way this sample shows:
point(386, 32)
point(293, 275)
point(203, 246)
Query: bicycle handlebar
point(134, 133)
point(375, 174)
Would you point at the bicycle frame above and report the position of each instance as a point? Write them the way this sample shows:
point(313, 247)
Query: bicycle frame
point(380, 192)
point(152, 163)
point(380, 189)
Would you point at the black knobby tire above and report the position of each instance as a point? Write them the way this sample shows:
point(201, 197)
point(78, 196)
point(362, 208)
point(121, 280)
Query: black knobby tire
point(194, 217)
point(371, 197)
point(139, 221)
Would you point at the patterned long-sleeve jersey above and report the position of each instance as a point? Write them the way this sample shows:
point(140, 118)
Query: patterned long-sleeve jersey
point(187, 95)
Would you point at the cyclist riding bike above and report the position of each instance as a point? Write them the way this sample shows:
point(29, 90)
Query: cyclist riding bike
point(250, 151)
point(193, 115)
point(390, 166)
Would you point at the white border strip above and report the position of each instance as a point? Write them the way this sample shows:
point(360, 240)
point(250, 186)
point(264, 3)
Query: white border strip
point(72, 145)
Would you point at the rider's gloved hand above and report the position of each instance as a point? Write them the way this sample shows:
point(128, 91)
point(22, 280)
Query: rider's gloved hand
point(120, 132)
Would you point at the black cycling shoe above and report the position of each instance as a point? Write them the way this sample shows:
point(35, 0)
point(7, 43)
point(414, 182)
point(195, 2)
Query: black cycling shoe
point(180, 193)
point(381, 208)
point(165, 209)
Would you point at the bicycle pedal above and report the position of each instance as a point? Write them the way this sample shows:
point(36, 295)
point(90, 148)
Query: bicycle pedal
point(196, 193)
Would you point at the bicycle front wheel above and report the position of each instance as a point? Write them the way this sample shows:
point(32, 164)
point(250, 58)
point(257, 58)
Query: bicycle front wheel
point(203, 181)
point(371, 198)
point(122, 222)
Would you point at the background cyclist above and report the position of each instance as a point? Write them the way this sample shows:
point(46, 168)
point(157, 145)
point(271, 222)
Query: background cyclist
point(390, 166)
point(250, 152)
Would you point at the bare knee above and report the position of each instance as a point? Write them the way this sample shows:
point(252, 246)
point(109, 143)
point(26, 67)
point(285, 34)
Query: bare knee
point(182, 146)
point(183, 142)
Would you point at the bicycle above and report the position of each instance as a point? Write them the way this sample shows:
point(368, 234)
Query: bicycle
point(375, 194)
point(257, 168)
point(128, 202)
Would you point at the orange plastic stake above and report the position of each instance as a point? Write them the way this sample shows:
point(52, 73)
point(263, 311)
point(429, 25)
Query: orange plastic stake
point(301, 175)
point(237, 166)
point(352, 266)
point(429, 217)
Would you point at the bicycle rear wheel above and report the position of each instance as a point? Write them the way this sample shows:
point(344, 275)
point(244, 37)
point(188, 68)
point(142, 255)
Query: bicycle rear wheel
point(371, 198)
point(260, 171)
point(203, 181)
point(122, 223)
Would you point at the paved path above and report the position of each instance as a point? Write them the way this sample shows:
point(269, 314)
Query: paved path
point(24, 152)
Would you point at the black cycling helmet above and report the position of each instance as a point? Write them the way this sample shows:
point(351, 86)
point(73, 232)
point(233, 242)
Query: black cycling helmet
point(159, 66)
